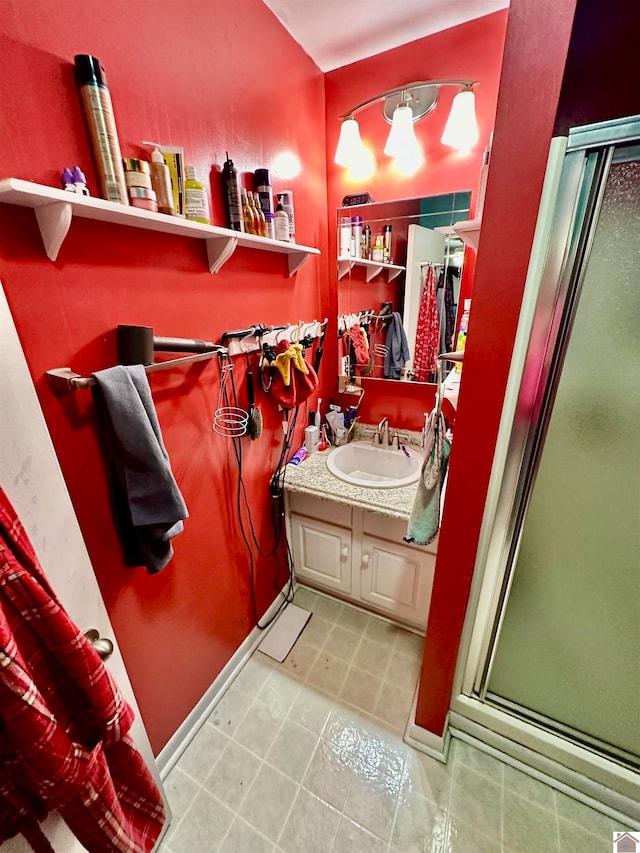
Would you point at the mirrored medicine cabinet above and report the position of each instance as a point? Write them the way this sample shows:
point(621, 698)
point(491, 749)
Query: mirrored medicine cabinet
point(370, 290)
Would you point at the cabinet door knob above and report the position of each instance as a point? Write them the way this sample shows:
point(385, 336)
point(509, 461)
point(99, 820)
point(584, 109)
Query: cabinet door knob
point(365, 561)
point(344, 552)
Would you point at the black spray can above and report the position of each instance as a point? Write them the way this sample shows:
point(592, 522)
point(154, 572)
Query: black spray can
point(231, 196)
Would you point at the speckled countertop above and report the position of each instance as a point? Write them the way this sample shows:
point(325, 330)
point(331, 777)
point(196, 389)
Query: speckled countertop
point(312, 477)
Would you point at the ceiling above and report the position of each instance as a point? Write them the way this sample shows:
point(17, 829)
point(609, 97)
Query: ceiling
point(337, 32)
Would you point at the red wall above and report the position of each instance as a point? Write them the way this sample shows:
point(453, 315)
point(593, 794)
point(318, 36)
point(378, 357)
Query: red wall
point(534, 59)
point(209, 82)
point(469, 51)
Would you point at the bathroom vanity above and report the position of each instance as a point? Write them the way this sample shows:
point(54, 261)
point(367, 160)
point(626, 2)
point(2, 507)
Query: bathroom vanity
point(348, 540)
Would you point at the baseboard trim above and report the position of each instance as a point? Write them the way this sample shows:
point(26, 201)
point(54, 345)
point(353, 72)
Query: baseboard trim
point(184, 734)
point(436, 746)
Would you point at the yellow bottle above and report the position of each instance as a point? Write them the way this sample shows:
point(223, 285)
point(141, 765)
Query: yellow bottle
point(262, 222)
point(196, 207)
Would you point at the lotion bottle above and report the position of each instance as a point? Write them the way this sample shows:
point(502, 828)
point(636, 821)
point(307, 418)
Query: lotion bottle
point(196, 206)
point(161, 182)
point(281, 222)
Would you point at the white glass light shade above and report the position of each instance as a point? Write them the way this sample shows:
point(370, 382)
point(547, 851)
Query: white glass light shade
point(461, 130)
point(350, 147)
point(402, 142)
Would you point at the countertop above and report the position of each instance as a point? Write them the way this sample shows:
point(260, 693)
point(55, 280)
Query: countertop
point(312, 477)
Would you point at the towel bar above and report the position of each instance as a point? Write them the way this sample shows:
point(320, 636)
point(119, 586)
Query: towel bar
point(62, 379)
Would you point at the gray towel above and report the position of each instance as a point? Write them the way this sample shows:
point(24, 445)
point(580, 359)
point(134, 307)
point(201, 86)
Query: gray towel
point(147, 506)
point(424, 522)
point(397, 348)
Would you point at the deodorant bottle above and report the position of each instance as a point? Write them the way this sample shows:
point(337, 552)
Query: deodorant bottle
point(98, 113)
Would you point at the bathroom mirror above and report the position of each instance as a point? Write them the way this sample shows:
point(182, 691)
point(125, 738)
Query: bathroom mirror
point(374, 282)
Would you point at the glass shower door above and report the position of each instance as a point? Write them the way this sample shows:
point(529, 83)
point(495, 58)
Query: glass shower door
point(566, 651)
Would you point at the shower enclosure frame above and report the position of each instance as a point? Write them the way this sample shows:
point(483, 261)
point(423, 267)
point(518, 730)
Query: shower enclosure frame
point(574, 186)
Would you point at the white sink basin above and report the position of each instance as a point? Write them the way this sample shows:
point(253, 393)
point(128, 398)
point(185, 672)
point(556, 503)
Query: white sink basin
point(362, 464)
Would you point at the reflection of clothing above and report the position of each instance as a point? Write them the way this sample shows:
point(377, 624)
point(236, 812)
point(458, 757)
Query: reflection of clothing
point(446, 308)
point(427, 331)
point(398, 348)
point(360, 345)
point(63, 721)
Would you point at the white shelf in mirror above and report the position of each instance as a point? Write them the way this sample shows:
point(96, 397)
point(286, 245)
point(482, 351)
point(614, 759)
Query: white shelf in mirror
point(55, 209)
point(468, 231)
point(373, 268)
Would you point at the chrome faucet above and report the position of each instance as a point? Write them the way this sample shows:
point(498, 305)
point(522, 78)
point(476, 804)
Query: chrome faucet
point(382, 433)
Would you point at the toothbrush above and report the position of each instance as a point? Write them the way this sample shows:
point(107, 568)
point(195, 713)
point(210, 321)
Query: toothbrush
point(318, 418)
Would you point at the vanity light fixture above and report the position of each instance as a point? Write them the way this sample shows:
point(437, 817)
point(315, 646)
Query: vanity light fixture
point(402, 108)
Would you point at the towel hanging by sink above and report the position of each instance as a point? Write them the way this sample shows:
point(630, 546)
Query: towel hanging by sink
point(424, 522)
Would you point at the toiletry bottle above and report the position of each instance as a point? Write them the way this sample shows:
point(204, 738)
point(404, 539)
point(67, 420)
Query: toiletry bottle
point(387, 245)
point(462, 330)
point(262, 183)
point(161, 182)
point(356, 234)
point(311, 439)
point(281, 221)
point(270, 223)
point(98, 112)
point(231, 196)
point(366, 242)
point(248, 215)
point(79, 181)
point(67, 180)
point(259, 214)
point(378, 249)
point(345, 236)
point(196, 206)
point(286, 197)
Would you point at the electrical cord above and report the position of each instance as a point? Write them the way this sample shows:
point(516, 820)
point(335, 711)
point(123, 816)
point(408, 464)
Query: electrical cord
point(277, 516)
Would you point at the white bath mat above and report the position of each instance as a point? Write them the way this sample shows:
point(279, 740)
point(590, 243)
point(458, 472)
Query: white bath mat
point(284, 632)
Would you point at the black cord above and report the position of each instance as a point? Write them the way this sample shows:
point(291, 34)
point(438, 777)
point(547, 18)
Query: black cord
point(277, 517)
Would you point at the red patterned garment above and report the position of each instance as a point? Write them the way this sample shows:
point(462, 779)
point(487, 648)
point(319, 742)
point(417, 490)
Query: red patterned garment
point(63, 722)
point(428, 330)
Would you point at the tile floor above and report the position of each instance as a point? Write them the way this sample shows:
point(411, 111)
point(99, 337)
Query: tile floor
point(307, 756)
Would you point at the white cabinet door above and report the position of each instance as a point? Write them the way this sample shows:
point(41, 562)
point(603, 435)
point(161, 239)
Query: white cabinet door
point(31, 477)
point(396, 579)
point(321, 553)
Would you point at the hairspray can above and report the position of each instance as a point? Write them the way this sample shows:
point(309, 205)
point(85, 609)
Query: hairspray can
point(98, 113)
point(231, 196)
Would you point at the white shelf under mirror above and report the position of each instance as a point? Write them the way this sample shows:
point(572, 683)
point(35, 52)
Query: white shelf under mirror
point(469, 231)
point(55, 209)
point(373, 268)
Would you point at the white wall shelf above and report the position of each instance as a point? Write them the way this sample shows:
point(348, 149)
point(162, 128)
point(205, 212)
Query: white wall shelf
point(55, 209)
point(373, 268)
point(468, 231)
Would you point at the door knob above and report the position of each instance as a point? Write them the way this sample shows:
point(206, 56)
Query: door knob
point(101, 645)
point(344, 552)
point(365, 561)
